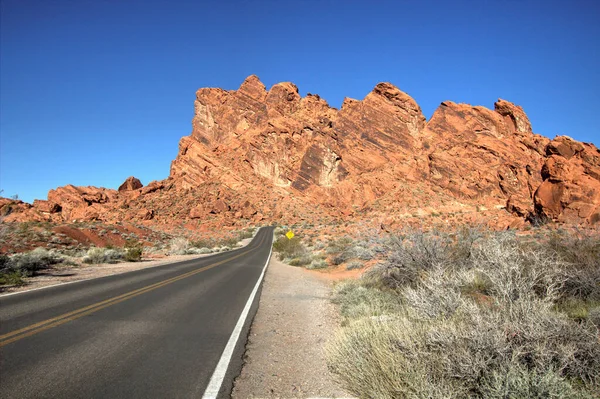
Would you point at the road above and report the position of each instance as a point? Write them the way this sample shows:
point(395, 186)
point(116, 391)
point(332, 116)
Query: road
point(151, 333)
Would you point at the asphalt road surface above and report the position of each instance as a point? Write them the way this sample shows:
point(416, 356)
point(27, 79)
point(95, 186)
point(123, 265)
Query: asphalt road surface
point(153, 333)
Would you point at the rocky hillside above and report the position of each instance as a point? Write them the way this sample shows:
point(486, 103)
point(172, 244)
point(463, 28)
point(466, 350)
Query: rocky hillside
point(258, 155)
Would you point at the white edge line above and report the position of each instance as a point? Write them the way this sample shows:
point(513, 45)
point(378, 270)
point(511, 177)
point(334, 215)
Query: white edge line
point(124, 272)
point(214, 386)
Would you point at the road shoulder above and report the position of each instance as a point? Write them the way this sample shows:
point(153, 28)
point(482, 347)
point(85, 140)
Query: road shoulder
point(284, 354)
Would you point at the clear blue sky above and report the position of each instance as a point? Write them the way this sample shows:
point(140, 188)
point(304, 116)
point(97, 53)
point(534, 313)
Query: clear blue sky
point(93, 91)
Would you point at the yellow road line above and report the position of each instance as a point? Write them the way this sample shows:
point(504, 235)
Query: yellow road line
point(66, 317)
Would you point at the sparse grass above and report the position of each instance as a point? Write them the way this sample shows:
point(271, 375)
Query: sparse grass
point(473, 314)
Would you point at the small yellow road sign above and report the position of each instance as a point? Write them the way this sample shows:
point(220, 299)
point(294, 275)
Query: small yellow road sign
point(289, 235)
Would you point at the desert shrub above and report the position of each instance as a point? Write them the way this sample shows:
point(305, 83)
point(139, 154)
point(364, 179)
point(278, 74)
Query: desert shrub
point(4, 263)
point(97, 255)
point(202, 243)
point(538, 219)
point(361, 252)
point(409, 256)
point(594, 316)
point(248, 233)
point(133, 251)
point(28, 263)
point(470, 320)
point(280, 230)
point(317, 263)
point(338, 246)
point(302, 260)
point(199, 251)
point(133, 254)
point(319, 245)
point(355, 264)
point(516, 381)
point(289, 248)
point(340, 258)
point(580, 253)
point(11, 278)
point(228, 242)
point(178, 246)
point(68, 262)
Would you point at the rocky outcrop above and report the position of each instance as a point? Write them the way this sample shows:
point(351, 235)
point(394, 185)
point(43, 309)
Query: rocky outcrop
point(83, 203)
point(258, 154)
point(484, 155)
point(570, 191)
point(130, 184)
point(366, 151)
point(46, 206)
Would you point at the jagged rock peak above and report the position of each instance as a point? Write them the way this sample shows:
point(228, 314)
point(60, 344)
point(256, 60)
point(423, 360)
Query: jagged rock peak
point(395, 95)
point(253, 87)
point(515, 113)
point(130, 184)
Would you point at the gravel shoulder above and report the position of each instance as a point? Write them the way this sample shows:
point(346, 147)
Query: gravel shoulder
point(284, 354)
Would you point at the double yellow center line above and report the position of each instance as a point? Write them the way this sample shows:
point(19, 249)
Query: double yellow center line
point(76, 314)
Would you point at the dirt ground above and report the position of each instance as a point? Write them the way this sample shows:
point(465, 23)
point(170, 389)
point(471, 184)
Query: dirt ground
point(284, 355)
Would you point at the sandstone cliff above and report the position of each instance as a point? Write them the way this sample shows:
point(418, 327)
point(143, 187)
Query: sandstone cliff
point(256, 154)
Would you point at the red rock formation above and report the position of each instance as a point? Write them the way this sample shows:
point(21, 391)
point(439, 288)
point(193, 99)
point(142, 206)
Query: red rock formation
point(130, 184)
point(256, 154)
point(46, 206)
point(570, 191)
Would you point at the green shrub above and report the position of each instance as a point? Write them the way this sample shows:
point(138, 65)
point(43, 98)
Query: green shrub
point(11, 278)
point(289, 248)
point(133, 251)
point(133, 254)
point(4, 263)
